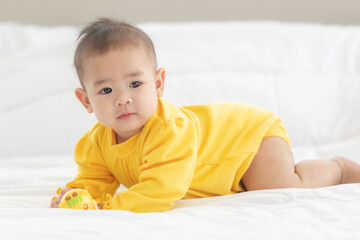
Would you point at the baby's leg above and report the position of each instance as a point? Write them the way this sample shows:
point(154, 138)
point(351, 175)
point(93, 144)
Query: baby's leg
point(273, 167)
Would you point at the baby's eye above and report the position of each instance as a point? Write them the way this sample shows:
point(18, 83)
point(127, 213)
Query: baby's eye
point(106, 91)
point(135, 84)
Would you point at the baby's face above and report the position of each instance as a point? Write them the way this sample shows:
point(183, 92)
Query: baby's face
point(123, 89)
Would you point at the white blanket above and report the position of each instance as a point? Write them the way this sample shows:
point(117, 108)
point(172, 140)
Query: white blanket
point(308, 74)
point(27, 185)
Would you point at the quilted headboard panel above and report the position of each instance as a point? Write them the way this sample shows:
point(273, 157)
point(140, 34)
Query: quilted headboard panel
point(308, 74)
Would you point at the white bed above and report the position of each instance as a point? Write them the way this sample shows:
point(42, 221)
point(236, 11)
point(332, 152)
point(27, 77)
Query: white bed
point(309, 74)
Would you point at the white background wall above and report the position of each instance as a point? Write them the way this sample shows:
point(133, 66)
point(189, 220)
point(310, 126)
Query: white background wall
point(79, 12)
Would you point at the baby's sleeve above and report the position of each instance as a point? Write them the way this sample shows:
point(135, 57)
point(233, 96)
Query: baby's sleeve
point(168, 165)
point(93, 174)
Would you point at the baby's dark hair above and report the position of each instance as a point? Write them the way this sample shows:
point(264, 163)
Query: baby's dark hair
point(105, 33)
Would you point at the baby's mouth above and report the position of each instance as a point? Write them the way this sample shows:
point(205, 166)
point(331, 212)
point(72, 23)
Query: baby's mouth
point(125, 116)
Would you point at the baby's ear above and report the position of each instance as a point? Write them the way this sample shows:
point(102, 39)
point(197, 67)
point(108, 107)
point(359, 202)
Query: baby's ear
point(84, 99)
point(160, 80)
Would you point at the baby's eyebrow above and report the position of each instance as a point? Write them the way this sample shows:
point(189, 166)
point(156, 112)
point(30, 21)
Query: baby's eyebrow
point(134, 74)
point(131, 74)
point(99, 82)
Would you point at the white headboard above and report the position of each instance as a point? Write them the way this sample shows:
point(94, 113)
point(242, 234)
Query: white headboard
point(79, 12)
point(306, 73)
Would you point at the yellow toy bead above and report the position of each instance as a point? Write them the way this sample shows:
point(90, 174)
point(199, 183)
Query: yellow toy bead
point(78, 199)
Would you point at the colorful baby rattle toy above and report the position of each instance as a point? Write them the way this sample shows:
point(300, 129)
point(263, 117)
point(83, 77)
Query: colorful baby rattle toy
point(78, 199)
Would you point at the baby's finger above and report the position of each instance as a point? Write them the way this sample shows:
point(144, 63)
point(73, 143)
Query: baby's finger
point(54, 204)
point(62, 193)
point(64, 190)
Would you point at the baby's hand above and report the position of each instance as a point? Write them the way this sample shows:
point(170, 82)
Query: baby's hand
point(55, 202)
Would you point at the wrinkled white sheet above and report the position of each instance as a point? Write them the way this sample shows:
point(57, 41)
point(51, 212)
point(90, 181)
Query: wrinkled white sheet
point(27, 185)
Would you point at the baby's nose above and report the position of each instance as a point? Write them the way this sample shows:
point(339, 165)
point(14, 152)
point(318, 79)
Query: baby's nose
point(123, 99)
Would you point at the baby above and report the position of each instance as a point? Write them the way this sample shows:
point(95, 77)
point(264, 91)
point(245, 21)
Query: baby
point(163, 153)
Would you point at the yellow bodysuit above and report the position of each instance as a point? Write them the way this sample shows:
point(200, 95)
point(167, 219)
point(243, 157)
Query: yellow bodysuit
point(181, 152)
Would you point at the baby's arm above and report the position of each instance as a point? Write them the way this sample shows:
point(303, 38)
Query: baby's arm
point(93, 174)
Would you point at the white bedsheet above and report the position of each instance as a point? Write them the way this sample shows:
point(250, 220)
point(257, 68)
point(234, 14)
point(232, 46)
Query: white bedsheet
point(28, 183)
